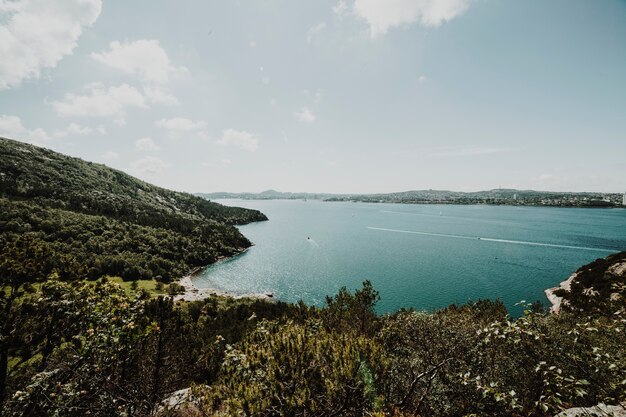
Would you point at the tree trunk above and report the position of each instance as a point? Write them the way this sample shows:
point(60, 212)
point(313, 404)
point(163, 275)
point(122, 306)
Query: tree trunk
point(48, 347)
point(4, 369)
point(158, 362)
point(5, 332)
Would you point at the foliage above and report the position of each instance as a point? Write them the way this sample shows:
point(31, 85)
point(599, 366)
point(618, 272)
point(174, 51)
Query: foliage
point(55, 180)
point(85, 349)
point(106, 246)
point(598, 287)
point(96, 221)
point(352, 312)
point(93, 349)
point(297, 369)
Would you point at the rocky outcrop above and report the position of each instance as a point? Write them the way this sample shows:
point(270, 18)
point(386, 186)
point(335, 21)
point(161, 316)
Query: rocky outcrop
point(600, 410)
point(554, 299)
point(181, 402)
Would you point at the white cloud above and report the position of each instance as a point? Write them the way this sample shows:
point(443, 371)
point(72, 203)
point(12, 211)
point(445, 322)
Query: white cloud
point(305, 115)
point(180, 124)
point(313, 33)
point(159, 96)
point(12, 127)
point(100, 102)
point(422, 79)
point(382, 15)
point(149, 165)
point(240, 139)
point(340, 8)
point(146, 144)
point(143, 58)
point(148, 61)
point(252, 44)
point(37, 34)
point(74, 129)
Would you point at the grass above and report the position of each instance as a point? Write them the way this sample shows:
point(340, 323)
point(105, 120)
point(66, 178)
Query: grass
point(150, 285)
point(142, 284)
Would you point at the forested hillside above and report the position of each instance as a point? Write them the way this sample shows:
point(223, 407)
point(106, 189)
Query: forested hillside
point(105, 222)
point(57, 180)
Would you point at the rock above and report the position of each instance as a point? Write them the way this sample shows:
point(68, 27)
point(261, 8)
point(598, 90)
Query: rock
point(618, 269)
point(554, 299)
point(178, 401)
point(600, 410)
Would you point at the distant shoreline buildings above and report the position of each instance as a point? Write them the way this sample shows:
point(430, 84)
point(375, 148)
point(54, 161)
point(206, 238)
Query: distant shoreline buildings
point(493, 197)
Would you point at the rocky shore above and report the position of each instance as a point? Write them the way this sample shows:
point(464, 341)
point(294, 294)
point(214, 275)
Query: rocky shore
point(193, 293)
point(554, 299)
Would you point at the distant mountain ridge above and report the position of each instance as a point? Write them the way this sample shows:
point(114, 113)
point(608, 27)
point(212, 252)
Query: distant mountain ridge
point(495, 196)
point(269, 195)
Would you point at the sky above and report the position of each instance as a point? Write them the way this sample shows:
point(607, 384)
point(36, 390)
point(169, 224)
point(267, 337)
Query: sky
point(342, 96)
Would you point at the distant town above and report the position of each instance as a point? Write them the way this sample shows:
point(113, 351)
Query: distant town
point(498, 196)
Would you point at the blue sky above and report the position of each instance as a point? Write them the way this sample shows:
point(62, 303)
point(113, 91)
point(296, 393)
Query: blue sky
point(327, 96)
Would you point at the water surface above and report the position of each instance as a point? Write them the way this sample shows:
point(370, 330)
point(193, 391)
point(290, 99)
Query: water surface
point(421, 256)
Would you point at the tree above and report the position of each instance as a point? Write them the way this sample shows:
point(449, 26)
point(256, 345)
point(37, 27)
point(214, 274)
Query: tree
point(355, 312)
point(24, 260)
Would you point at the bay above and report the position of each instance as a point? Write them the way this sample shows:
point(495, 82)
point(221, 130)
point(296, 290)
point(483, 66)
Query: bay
point(420, 256)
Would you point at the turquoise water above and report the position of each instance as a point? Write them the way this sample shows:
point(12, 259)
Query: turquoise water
point(421, 256)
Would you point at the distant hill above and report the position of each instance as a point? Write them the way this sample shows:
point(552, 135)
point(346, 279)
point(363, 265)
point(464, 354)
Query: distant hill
point(30, 172)
point(496, 196)
point(108, 221)
point(268, 195)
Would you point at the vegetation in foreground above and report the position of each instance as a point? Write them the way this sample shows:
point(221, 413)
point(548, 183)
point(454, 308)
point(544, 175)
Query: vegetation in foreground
point(73, 348)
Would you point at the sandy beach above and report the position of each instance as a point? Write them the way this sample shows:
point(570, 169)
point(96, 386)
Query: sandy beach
point(193, 293)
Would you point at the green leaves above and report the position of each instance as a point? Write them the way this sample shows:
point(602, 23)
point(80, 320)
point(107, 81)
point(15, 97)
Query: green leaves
point(298, 369)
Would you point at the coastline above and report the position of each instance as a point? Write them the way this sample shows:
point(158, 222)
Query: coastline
point(193, 293)
point(554, 299)
point(435, 202)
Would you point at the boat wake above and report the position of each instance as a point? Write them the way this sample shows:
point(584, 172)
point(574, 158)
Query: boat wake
point(489, 239)
point(312, 242)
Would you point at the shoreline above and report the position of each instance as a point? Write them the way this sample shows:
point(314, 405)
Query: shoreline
point(434, 203)
point(554, 299)
point(193, 293)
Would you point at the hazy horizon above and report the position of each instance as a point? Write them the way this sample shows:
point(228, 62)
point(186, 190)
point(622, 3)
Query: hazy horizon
point(400, 191)
point(332, 96)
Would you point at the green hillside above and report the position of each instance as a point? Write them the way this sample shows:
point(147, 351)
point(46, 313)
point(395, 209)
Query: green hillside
point(108, 222)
